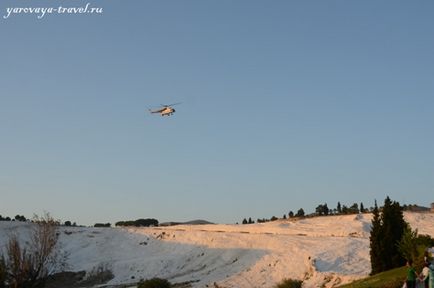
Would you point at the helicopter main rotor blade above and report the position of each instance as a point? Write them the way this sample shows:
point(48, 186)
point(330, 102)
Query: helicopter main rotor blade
point(172, 104)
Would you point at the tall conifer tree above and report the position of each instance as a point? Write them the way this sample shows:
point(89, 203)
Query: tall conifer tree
point(387, 231)
point(375, 241)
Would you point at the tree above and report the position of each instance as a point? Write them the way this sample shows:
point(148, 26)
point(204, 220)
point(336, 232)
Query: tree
point(244, 221)
point(393, 226)
point(414, 247)
point(20, 218)
point(139, 222)
point(102, 225)
point(375, 242)
point(154, 283)
point(339, 208)
point(345, 209)
point(290, 214)
point(354, 209)
point(43, 246)
point(387, 230)
point(29, 266)
point(322, 209)
point(407, 246)
point(362, 208)
point(300, 213)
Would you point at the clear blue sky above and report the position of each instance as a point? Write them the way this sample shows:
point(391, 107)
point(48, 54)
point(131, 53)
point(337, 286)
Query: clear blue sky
point(285, 105)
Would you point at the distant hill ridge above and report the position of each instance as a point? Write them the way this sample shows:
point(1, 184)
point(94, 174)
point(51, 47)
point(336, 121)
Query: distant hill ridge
point(417, 208)
point(192, 222)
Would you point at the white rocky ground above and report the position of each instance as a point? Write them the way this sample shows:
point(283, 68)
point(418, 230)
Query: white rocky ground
point(321, 251)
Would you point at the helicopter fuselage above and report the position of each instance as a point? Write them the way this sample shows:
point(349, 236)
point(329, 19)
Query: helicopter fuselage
point(167, 111)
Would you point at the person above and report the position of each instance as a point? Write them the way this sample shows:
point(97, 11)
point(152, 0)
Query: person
point(411, 275)
point(424, 275)
point(431, 275)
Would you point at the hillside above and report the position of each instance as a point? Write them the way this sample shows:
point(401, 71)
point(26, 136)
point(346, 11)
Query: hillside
point(323, 250)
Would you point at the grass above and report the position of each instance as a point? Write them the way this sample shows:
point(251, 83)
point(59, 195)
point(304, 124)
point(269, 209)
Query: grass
point(390, 279)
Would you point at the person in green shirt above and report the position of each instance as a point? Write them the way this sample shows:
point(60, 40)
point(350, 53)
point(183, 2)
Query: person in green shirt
point(411, 275)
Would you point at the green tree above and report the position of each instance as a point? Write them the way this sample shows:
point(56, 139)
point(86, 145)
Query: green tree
point(407, 246)
point(354, 209)
point(413, 246)
point(300, 213)
point(387, 230)
point(154, 283)
point(375, 242)
point(339, 208)
point(393, 227)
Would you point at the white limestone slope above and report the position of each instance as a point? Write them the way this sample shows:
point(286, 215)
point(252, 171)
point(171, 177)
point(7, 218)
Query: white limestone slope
point(320, 251)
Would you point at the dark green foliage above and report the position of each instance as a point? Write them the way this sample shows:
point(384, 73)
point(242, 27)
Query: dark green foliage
point(413, 247)
point(407, 245)
point(300, 213)
point(387, 230)
point(139, 223)
point(154, 283)
point(354, 209)
point(20, 218)
point(289, 283)
point(263, 220)
point(393, 226)
point(106, 225)
point(425, 240)
point(375, 242)
point(322, 209)
point(290, 214)
point(362, 208)
point(244, 221)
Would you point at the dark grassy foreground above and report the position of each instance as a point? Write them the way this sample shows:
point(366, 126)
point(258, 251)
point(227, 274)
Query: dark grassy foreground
point(389, 279)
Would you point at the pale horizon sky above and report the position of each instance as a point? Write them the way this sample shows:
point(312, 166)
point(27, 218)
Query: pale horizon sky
point(285, 105)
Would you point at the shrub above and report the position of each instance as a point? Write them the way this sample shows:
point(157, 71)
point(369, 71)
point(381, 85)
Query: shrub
point(29, 266)
point(138, 223)
point(103, 225)
point(2, 272)
point(98, 275)
point(289, 283)
point(154, 283)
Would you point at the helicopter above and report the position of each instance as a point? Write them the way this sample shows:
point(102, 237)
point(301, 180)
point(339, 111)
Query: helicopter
point(165, 110)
